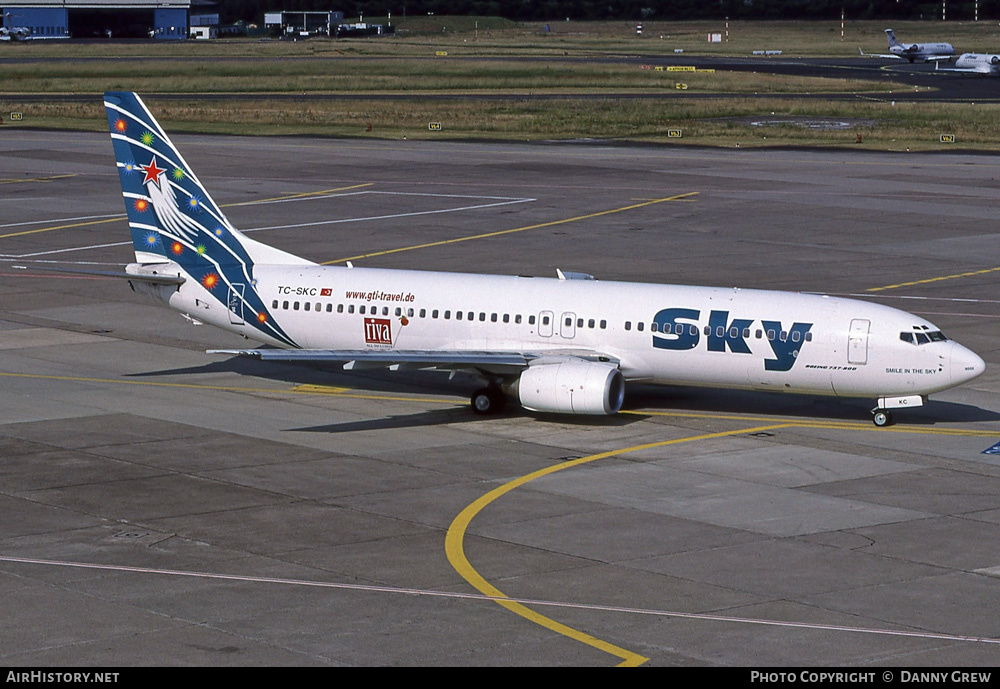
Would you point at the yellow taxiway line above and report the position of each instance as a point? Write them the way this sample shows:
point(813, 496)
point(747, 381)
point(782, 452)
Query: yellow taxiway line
point(499, 233)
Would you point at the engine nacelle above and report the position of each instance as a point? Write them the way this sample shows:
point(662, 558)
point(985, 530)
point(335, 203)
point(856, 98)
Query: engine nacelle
point(572, 387)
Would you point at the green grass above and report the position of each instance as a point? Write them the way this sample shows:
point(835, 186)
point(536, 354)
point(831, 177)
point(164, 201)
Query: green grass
point(409, 65)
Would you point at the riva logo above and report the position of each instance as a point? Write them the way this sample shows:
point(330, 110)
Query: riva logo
point(378, 331)
point(681, 329)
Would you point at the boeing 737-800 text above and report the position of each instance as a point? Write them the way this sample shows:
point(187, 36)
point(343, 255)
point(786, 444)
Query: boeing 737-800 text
point(568, 345)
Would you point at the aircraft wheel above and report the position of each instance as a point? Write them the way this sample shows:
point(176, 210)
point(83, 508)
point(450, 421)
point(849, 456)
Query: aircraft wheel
point(881, 418)
point(488, 401)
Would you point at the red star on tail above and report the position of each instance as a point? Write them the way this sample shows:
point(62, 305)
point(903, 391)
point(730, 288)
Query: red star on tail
point(152, 172)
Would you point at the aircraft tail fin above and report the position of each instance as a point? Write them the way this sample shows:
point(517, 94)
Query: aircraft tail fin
point(891, 36)
point(171, 215)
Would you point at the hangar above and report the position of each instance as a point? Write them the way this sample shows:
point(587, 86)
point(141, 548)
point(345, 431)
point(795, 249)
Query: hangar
point(160, 19)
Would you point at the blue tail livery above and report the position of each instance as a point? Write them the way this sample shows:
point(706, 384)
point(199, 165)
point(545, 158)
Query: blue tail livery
point(177, 228)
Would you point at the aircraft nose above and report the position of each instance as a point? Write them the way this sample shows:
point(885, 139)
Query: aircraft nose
point(965, 364)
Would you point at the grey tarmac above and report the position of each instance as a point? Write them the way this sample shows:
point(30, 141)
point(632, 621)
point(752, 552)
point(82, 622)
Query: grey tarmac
point(162, 506)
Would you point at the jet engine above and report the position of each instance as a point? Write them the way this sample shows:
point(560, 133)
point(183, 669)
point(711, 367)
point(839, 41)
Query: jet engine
point(571, 387)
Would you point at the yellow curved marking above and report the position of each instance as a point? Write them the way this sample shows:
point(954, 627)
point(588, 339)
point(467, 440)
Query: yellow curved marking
point(499, 233)
point(116, 218)
point(456, 535)
point(971, 273)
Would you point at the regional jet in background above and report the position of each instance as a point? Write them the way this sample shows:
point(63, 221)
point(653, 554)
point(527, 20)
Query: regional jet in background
point(9, 32)
point(975, 63)
point(926, 52)
point(566, 345)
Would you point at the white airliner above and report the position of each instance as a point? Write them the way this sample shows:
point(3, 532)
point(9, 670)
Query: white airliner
point(564, 345)
point(975, 63)
point(927, 52)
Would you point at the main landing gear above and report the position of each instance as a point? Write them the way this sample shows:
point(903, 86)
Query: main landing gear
point(488, 400)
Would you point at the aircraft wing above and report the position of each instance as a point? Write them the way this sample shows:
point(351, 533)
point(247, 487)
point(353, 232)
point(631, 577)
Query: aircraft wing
point(497, 362)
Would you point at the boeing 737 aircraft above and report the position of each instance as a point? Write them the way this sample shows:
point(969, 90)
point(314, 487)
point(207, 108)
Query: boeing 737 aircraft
point(568, 345)
point(927, 52)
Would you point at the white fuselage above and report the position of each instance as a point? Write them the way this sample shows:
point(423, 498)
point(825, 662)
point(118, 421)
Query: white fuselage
point(668, 334)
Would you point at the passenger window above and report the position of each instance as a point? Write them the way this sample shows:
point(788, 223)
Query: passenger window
point(434, 313)
point(482, 316)
point(409, 313)
point(284, 305)
point(295, 306)
point(306, 306)
point(545, 320)
point(746, 332)
point(329, 308)
point(720, 331)
point(654, 327)
point(517, 318)
point(274, 304)
point(796, 336)
point(447, 315)
point(361, 309)
point(471, 316)
point(340, 308)
point(809, 337)
point(758, 334)
point(385, 310)
point(319, 307)
point(569, 322)
point(423, 313)
point(350, 308)
point(590, 323)
point(579, 322)
point(770, 335)
point(493, 318)
point(604, 324)
point(506, 318)
point(531, 320)
point(399, 312)
point(640, 325)
point(458, 315)
point(628, 325)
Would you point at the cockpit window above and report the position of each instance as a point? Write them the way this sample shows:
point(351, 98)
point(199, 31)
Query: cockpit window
point(922, 338)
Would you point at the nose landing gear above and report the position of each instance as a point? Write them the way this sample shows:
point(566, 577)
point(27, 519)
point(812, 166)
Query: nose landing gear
point(881, 418)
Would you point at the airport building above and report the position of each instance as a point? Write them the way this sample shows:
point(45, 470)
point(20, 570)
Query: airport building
point(48, 19)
